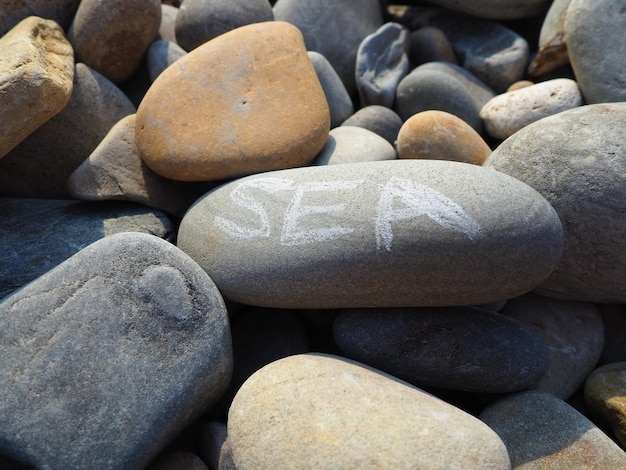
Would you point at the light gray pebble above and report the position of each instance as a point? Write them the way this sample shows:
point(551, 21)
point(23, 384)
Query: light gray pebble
point(351, 144)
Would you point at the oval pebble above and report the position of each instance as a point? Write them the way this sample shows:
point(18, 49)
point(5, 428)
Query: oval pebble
point(378, 119)
point(351, 144)
point(506, 114)
point(376, 234)
point(322, 411)
point(430, 44)
point(439, 135)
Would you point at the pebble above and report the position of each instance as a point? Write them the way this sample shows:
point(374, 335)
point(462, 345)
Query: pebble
point(339, 102)
point(552, 52)
point(381, 63)
point(199, 21)
point(36, 74)
point(39, 234)
point(73, 374)
point(573, 332)
point(68, 138)
point(605, 397)
point(114, 171)
point(509, 112)
point(378, 119)
point(453, 348)
point(112, 37)
point(496, 9)
point(60, 11)
point(438, 135)
point(542, 431)
point(167, 28)
point(576, 160)
point(351, 144)
point(334, 232)
point(311, 410)
point(596, 45)
point(161, 54)
point(332, 30)
point(430, 44)
point(519, 85)
point(245, 102)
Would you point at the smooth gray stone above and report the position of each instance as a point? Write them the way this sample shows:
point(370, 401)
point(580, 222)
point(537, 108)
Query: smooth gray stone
point(596, 44)
point(429, 44)
point(214, 447)
point(333, 30)
point(339, 101)
point(40, 166)
point(443, 87)
point(14, 11)
point(573, 332)
point(38, 234)
point(351, 144)
point(375, 234)
point(161, 54)
point(494, 53)
point(577, 160)
point(453, 348)
point(496, 9)
point(542, 431)
point(199, 21)
point(167, 30)
point(322, 411)
point(110, 355)
point(378, 119)
point(381, 63)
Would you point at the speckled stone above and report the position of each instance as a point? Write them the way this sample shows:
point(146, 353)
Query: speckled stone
point(351, 144)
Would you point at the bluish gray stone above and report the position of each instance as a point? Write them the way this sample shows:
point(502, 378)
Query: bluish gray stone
point(351, 144)
point(381, 63)
point(38, 234)
point(453, 348)
point(161, 54)
point(378, 119)
point(110, 355)
point(375, 234)
point(577, 160)
point(339, 101)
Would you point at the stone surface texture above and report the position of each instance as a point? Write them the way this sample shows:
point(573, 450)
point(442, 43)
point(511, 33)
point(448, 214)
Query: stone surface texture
point(351, 144)
point(339, 102)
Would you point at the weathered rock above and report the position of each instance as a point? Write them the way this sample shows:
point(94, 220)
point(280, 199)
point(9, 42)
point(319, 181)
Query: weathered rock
point(36, 76)
point(40, 166)
point(339, 101)
point(574, 333)
point(214, 446)
point(378, 119)
point(114, 171)
point(605, 397)
point(552, 52)
point(245, 102)
point(429, 44)
point(308, 411)
point(127, 334)
point(112, 37)
point(333, 31)
point(14, 11)
point(542, 431)
point(376, 234)
point(509, 112)
point(577, 160)
point(497, 9)
point(596, 44)
point(381, 63)
point(351, 144)
point(38, 234)
point(161, 54)
point(453, 348)
point(199, 21)
point(437, 135)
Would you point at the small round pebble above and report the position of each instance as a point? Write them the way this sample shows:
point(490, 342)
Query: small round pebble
point(379, 119)
point(351, 144)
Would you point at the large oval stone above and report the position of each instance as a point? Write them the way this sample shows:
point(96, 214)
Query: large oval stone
point(247, 101)
point(374, 234)
point(321, 411)
point(577, 160)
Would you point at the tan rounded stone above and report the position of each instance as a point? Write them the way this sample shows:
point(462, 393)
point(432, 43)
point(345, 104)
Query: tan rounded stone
point(519, 85)
point(605, 397)
point(36, 73)
point(245, 102)
point(437, 135)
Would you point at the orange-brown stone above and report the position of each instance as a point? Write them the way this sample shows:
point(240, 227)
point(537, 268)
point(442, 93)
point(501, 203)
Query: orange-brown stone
point(245, 102)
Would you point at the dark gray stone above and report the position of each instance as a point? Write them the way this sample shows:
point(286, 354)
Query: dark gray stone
point(40, 166)
point(38, 234)
point(214, 447)
point(199, 21)
point(429, 44)
point(397, 233)
point(453, 348)
point(161, 54)
point(333, 30)
point(596, 45)
point(577, 160)
point(110, 355)
point(542, 431)
point(381, 63)
point(378, 119)
point(573, 332)
point(14, 11)
point(351, 144)
point(339, 101)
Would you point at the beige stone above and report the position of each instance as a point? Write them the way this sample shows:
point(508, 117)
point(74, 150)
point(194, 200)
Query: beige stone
point(36, 73)
point(437, 135)
point(245, 102)
point(605, 397)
